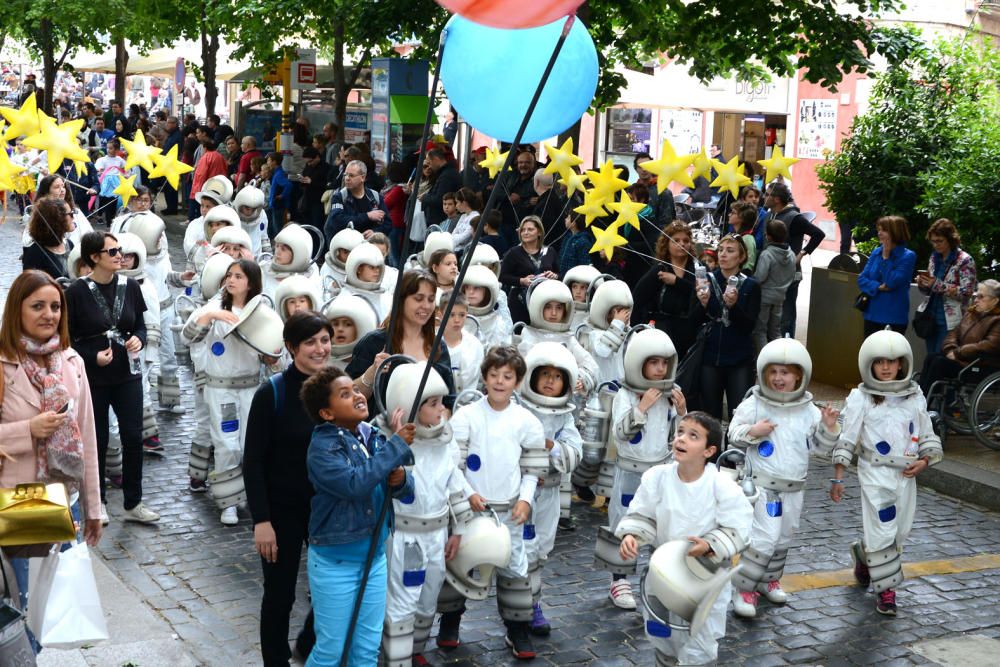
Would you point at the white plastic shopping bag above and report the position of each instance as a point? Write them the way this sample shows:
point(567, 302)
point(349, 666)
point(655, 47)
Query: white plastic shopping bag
point(418, 229)
point(64, 608)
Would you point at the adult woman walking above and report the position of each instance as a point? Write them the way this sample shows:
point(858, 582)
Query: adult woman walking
point(277, 482)
point(107, 329)
point(727, 362)
point(525, 262)
point(886, 277)
point(948, 282)
point(413, 335)
point(51, 220)
point(666, 294)
point(57, 186)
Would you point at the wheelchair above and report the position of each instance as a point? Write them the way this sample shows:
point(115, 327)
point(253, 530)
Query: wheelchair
point(968, 404)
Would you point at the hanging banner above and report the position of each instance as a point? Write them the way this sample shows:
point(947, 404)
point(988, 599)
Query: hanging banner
point(817, 128)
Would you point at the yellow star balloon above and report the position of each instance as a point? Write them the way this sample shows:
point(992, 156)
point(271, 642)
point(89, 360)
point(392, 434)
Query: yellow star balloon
point(140, 153)
point(606, 182)
point(167, 165)
point(670, 167)
point(628, 211)
point(8, 170)
point(702, 163)
point(59, 141)
point(561, 160)
point(592, 207)
point(606, 240)
point(778, 165)
point(23, 121)
point(731, 176)
point(125, 189)
point(494, 161)
point(573, 182)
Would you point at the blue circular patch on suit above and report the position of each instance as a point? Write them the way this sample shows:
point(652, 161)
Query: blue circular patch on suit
point(887, 514)
point(911, 428)
point(262, 225)
point(414, 577)
point(883, 447)
point(187, 291)
point(474, 463)
point(765, 448)
point(774, 508)
point(627, 499)
point(218, 349)
point(636, 439)
point(529, 531)
point(407, 500)
point(657, 629)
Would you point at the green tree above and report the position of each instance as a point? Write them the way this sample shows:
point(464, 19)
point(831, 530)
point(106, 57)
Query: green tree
point(926, 148)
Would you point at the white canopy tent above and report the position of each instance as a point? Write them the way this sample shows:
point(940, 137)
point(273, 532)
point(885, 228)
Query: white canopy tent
point(160, 62)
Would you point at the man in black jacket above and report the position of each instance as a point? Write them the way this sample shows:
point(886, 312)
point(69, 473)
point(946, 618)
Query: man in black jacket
point(174, 138)
point(314, 177)
point(446, 179)
point(517, 199)
point(356, 206)
point(779, 202)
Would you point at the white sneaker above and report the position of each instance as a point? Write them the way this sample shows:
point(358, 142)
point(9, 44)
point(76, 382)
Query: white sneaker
point(104, 514)
point(745, 604)
point(178, 409)
point(621, 594)
point(230, 517)
point(774, 594)
point(141, 514)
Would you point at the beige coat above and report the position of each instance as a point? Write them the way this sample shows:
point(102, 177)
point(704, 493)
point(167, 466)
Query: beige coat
point(21, 402)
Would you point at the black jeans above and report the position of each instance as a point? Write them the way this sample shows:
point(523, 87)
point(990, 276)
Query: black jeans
point(937, 367)
point(170, 195)
point(788, 311)
point(108, 207)
point(291, 529)
point(126, 400)
point(872, 327)
point(733, 380)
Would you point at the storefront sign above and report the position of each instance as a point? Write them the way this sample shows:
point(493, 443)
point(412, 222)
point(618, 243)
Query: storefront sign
point(817, 128)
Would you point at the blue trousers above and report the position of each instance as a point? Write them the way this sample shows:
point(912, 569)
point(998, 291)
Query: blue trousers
point(334, 585)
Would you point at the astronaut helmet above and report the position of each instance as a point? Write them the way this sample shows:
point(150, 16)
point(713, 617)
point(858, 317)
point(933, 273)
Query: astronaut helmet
point(886, 344)
point(543, 293)
point(436, 241)
point(213, 273)
point(609, 294)
point(641, 345)
point(217, 188)
point(365, 254)
point(232, 236)
point(581, 274)
point(481, 276)
point(294, 287)
point(249, 202)
point(486, 255)
point(344, 312)
point(220, 214)
point(299, 242)
point(543, 356)
point(485, 546)
point(149, 227)
point(402, 388)
point(346, 239)
point(785, 352)
point(131, 244)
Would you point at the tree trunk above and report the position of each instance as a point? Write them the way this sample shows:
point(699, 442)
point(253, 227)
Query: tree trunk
point(48, 48)
point(209, 60)
point(341, 90)
point(121, 70)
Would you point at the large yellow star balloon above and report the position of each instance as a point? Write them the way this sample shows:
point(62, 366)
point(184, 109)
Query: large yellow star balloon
point(606, 182)
point(8, 170)
point(606, 240)
point(126, 189)
point(23, 121)
point(494, 161)
point(628, 211)
point(59, 141)
point(731, 176)
point(167, 165)
point(561, 160)
point(670, 167)
point(140, 153)
point(778, 165)
point(592, 207)
point(574, 182)
point(702, 164)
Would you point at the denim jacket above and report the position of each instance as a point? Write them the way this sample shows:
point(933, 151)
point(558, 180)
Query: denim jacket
point(345, 479)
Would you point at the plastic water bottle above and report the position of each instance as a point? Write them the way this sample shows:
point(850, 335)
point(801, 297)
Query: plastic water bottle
point(732, 284)
point(134, 363)
point(700, 278)
point(413, 565)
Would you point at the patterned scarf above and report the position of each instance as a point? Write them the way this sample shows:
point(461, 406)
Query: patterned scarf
point(60, 456)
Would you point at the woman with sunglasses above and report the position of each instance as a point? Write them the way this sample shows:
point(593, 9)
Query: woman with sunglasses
point(107, 329)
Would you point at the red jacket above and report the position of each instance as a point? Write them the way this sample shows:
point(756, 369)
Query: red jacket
point(211, 164)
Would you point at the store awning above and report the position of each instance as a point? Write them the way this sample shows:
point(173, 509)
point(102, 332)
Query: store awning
point(324, 77)
point(159, 62)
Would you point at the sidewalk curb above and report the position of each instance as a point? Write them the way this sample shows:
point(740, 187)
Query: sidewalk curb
point(965, 482)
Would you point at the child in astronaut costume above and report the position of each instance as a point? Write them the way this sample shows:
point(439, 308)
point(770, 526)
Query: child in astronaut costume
point(481, 289)
point(292, 257)
point(213, 222)
point(691, 501)
point(232, 369)
point(885, 418)
point(486, 255)
point(440, 500)
point(217, 191)
point(550, 307)
point(435, 241)
point(578, 280)
point(249, 204)
point(365, 268)
point(464, 349)
point(294, 295)
point(333, 273)
point(351, 318)
point(547, 391)
point(776, 425)
point(604, 331)
point(643, 418)
point(502, 446)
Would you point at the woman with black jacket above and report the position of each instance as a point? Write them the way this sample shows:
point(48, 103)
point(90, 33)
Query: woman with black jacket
point(107, 329)
point(51, 220)
point(524, 263)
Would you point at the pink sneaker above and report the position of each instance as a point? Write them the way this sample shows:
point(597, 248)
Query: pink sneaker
point(774, 594)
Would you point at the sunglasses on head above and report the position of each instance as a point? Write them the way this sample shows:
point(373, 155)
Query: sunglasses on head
point(112, 252)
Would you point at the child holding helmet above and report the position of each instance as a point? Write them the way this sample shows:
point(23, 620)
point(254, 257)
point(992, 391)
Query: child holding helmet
point(886, 418)
point(776, 425)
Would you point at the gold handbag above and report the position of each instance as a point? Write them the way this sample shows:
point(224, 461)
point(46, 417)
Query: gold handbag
point(35, 513)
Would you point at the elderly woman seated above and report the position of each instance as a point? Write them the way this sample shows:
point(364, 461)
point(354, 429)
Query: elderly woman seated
point(976, 337)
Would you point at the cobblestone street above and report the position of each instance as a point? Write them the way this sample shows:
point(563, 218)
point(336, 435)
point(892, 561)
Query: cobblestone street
point(204, 578)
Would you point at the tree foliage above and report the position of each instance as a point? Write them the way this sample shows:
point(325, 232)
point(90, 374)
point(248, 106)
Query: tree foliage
point(928, 147)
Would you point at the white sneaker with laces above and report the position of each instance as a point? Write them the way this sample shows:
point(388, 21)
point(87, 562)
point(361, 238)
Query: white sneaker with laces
point(745, 604)
point(141, 514)
point(230, 517)
point(774, 594)
point(621, 594)
point(104, 514)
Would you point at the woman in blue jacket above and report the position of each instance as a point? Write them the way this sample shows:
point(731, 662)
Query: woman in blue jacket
point(886, 277)
point(352, 466)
